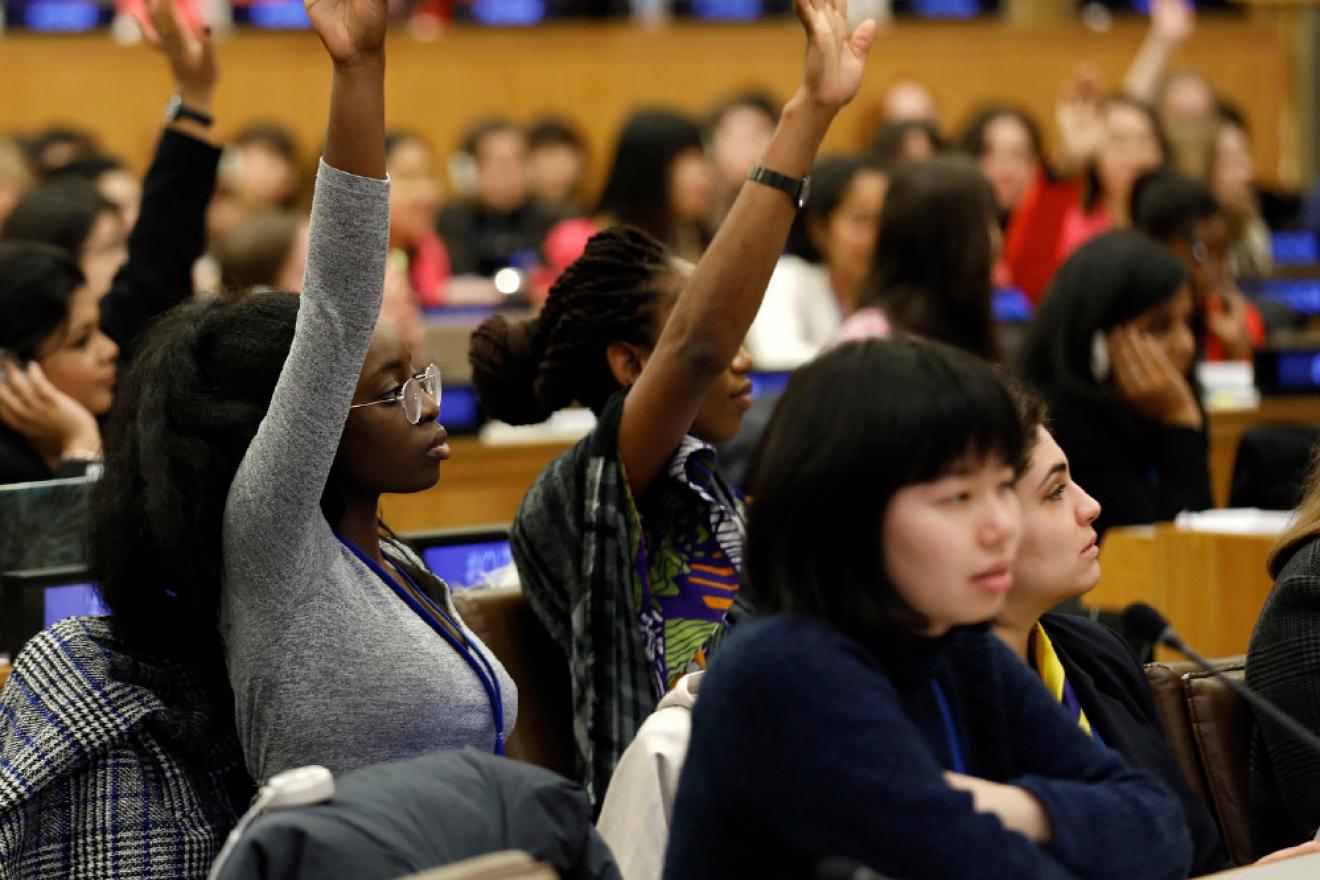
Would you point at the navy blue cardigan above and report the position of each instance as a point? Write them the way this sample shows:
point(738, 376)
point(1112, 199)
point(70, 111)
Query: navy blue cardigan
point(806, 744)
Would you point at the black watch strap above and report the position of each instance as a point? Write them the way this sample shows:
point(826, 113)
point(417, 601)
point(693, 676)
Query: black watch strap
point(796, 188)
point(177, 110)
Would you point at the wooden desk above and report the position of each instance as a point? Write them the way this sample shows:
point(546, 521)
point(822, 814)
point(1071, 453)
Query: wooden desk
point(1210, 586)
point(479, 484)
point(1226, 429)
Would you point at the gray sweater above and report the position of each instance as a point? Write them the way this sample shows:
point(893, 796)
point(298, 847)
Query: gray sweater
point(328, 665)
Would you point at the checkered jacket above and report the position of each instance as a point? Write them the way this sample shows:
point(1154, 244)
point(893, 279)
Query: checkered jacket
point(111, 766)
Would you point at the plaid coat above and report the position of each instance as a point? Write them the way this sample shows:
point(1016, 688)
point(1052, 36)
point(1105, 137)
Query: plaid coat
point(111, 766)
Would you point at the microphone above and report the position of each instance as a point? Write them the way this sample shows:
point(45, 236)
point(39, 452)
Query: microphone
point(1149, 625)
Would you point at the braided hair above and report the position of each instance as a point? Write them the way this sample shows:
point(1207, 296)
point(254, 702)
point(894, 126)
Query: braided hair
point(523, 372)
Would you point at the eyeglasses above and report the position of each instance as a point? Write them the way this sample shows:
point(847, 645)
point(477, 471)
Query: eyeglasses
point(413, 394)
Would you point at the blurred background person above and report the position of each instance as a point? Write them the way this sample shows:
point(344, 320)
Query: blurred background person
point(260, 170)
point(112, 179)
point(1005, 140)
point(559, 161)
point(73, 216)
point(738, 131)
point(15, 176)
point(416, 250)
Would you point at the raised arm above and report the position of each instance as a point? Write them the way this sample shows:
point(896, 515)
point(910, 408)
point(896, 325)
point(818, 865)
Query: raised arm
point(170, 233)
point(273, 509)
point(1171, 23)
point(715, 310)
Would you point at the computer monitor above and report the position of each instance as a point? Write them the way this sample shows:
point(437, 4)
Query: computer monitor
point(460, 557)
point(43, 524)
point(30, 601)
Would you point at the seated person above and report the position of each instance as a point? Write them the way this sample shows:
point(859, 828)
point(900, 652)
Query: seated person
point(829, 254)
point(499, 225)
point(870, 715)
point(629, 545)
point(1085, 665)
point(1112, 353)
point(237, 520)
point(558, 158)
point(73, 216)
point(1182, 214)
point(112, 179)
point(934, 257)
point(416, 251)
point(1006, 142)
point(63, 334)
point(738, 131)
point(265, 252)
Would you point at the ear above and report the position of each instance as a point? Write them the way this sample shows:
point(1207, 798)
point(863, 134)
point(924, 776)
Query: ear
point(626, 361)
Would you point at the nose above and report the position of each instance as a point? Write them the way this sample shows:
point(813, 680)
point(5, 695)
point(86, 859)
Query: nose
point(430, 409)
point(1088, 509)
point(742, 361)
point(1002, 522)
point(109, 348)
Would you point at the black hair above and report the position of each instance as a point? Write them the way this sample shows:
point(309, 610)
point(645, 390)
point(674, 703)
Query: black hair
point(273, 136)
point(89, 168)
point(852, 428)
point(37, 282)
point(395, 138)
point(1166, 204)
point(1032, 414)
point(754, 99)
point(1106, 282)
point(830, 181)
point(933, 256)
point(636, 191)
point(188, 409)
point(551, 131)
point(60, 214)
point(972, 141)
point(484, 128)
point(252, 254)
point(1092, 192)
point(890, 142)
point(79, 142)
point(1231, 114)
point(523, 372)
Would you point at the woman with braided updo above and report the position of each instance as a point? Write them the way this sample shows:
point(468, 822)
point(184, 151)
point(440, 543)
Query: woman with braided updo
point(629, 546)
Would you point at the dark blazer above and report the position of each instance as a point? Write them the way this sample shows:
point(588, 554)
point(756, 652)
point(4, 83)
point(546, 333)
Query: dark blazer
point(1114, 694)
point(1283, 665)
point(169, 236)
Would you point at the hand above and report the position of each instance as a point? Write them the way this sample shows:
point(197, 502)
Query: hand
point(50, 419)
point(1077, 114)
point(1172, 21)
point(1148, 380)
point(351, 30)
point(1016, 807)
point(1229, 326)
point(832, 71)
point(191, 55)
point(1301, 849)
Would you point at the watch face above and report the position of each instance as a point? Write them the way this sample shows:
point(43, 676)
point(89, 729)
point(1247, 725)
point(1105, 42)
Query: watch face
point(172, 108)
point(804, 192)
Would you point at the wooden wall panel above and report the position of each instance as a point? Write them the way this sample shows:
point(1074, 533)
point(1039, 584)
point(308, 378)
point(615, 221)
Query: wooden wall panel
point(597, 73)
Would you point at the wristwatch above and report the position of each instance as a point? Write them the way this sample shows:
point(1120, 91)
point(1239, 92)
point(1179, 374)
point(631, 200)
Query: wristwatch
point(797, 190)
point(176, 110)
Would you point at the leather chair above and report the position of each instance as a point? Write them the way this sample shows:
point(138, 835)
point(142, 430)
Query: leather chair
point(1209, 727)
point(502, 619)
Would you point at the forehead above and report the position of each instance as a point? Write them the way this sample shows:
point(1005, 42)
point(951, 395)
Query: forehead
point(387, 347)
point(1044, 455)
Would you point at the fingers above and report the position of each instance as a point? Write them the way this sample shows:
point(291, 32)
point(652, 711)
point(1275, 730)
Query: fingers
point(863, 38)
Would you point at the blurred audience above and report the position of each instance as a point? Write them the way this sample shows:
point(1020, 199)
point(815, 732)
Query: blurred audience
point(498, 225)
point(739, 130)
point(267, 251)
point(15, 176)
point(559, 162)
point(73, 216)
point(1006, 142)
point(57, 146)
point(112, 179)
point(912, 139)
point(828, 256)
point(415, 200)
point(260, 170)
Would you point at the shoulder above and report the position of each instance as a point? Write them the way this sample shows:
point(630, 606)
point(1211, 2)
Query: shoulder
point(783, 651)
point(1083, 636)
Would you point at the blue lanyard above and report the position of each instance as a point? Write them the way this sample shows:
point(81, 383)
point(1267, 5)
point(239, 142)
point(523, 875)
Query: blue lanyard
point(950, 729)
point(432, 613)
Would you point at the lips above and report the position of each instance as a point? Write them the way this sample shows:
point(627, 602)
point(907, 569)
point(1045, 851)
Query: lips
point(996, 579)
point(438, 450)
point(743, 396)
point(1092, 549)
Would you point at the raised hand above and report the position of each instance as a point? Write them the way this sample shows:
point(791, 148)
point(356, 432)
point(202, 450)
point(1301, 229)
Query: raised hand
point(191, 55)
point(1077, 114)
point(52, 421)
point(832, 71)
point(351, 30)
point(1172, 21)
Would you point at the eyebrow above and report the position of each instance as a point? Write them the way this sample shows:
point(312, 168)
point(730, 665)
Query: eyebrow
point(1060, 468)
point(398, 365)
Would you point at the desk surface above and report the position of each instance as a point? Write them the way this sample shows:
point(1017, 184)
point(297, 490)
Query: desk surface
point(1299, 868)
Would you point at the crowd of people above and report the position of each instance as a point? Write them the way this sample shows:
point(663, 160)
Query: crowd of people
point(848, 651)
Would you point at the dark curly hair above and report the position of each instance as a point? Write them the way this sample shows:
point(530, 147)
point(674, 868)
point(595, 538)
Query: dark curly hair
point(189, 407)
point(613, 293)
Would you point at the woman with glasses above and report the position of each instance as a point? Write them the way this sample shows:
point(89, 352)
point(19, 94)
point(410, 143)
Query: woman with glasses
point(243, 474)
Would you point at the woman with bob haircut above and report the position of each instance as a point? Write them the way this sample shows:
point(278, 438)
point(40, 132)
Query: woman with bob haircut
point(870, 715)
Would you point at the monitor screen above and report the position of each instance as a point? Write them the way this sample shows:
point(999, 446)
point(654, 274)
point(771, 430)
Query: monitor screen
point(462, 565)
point(30, 601)
point(1298, 371)
point(459, 411)
point(70, 600)
point(43, 524)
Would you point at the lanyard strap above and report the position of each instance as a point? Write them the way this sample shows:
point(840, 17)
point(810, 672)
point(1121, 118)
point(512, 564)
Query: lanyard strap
point(950, 729)
point(429, 611)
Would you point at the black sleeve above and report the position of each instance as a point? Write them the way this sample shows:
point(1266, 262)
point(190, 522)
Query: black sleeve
point(169, 236)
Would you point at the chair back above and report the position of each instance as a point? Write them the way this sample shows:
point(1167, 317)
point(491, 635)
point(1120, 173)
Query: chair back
point(1209, 726)
point(502, 619)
